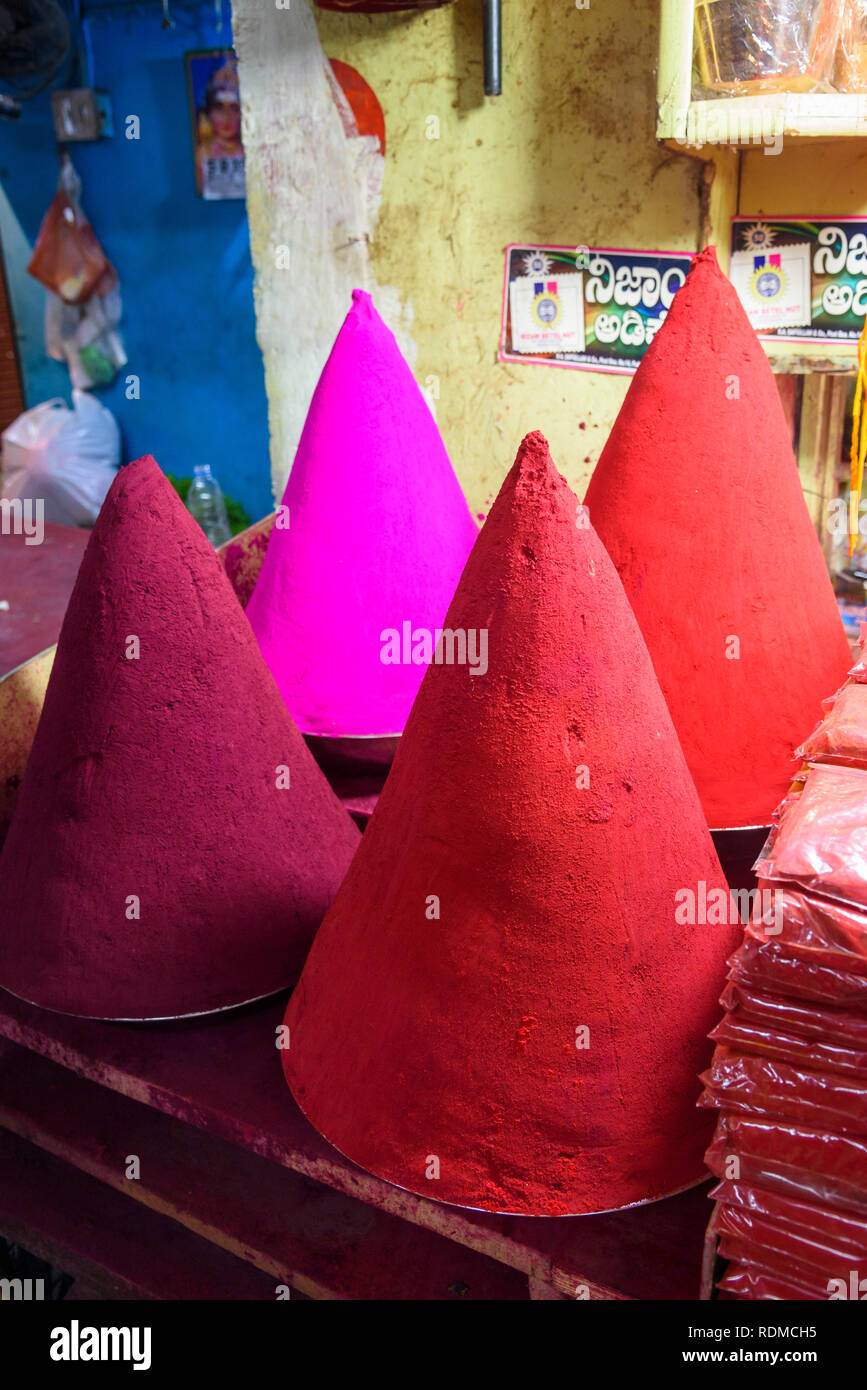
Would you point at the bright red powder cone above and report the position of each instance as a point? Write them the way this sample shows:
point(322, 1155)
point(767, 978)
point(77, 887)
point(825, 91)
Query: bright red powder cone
point(159, 862)
point(500, 1009)
point(373, 533)
point(697, 500)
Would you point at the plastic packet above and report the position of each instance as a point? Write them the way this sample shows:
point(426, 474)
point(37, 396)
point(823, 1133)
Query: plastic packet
point(768, 1087)
point(747, 46)
point(840, 1230)
point(65, 458)
point(67, 258)
point(815, 1259)
point(837, 1027)
point(821, 840)
point(743, 1036)
point(765, 965)
point(85, 337)
point(841, 737)
point(813, 1283)
point(804, 1163)
point(819, 931)
point(744, 1282)
point(850, 72)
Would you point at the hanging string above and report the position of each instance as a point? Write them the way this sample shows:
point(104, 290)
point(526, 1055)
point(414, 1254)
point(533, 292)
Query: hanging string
point(858, 451)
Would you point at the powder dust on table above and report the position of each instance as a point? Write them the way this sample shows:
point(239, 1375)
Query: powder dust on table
point(372, 534)
point(500, 1009)
point(698, 501)
point(174, 846)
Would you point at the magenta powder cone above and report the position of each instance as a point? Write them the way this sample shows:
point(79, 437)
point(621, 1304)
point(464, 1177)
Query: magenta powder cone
point(174, 846)
point(373, 534)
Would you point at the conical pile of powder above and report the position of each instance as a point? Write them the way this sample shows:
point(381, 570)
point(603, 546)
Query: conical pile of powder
point(370, 540)
point(697, 499)
point(508, 1003)
point(174, 846)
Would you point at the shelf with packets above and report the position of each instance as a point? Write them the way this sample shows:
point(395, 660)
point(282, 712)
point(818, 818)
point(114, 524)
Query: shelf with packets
point(789, 1074)
point(744, 72)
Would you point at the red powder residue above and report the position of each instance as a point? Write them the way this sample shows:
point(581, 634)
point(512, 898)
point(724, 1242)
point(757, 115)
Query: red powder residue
point(153, 776)
point(524, 1032)
point(698, 501)
point(411, 1036)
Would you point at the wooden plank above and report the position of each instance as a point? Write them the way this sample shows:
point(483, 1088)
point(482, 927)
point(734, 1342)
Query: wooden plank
point(820, 448)
point(325, 1244)
point(542, 1292)
point(11, 390)
point(710, 1257)
point(107, 1241)
point(223, 1075)
point(674, 72)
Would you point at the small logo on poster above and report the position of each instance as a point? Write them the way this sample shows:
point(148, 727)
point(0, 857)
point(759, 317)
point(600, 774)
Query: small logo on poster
point(769, 282)
point(546, 305)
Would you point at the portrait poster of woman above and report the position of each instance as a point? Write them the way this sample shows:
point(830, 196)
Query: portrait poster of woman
point(212, 77)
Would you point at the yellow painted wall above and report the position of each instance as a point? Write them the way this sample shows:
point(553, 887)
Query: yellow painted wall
point(808, 178)
point(826, 179)
point(567, 155)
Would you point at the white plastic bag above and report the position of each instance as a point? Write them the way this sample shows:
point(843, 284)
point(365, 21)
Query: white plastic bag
point(66, 457)
point(85, 337)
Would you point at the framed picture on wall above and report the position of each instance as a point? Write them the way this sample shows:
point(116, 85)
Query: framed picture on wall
point(215, 105)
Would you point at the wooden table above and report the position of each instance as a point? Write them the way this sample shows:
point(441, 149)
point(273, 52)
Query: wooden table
point(35, 582)
point(238, 1194)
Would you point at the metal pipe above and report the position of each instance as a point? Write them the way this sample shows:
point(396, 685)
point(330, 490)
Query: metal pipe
point(493, 27)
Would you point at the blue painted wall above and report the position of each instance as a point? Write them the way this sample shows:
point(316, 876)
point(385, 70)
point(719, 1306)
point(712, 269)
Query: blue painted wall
point(184, 264)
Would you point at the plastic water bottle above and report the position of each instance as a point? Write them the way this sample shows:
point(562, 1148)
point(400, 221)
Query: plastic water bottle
point(205, 503)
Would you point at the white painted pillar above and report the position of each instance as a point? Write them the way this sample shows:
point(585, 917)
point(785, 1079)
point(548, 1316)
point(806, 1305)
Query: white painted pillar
point(312, 196)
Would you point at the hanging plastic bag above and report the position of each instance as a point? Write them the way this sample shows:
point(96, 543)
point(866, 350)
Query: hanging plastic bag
point(67, 258)
point(85, 337)
point(67, 458)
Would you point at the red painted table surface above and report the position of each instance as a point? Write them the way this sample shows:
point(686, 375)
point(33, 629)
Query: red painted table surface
point(222, 1076)
point(36, 581)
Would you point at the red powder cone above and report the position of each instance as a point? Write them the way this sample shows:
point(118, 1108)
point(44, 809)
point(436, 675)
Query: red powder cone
point(697, 499)
point(158, 864)
point(373, 533)
point(516, 887)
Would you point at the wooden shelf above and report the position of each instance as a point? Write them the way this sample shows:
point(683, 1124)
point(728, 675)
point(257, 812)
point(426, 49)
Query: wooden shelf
point(230, 1162)
point(699, 126)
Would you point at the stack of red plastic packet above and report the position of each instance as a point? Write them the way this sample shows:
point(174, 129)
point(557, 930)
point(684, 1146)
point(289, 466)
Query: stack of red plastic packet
point(789, 1073)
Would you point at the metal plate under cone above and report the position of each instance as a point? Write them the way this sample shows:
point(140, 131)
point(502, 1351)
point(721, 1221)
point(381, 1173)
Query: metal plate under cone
point(353, 753)
point(493, 1211)
point(154, 1018)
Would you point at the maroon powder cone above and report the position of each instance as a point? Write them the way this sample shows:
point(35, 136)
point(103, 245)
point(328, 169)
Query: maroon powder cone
point(158, 864)
point(516, 886)
point(697, 499)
